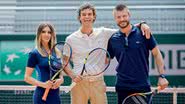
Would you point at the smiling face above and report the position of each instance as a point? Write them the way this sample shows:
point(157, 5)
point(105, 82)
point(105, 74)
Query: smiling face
point(46, 35)
point(87, 17)
point(122, 18)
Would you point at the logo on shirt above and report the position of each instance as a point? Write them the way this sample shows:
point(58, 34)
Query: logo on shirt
point(138, 42)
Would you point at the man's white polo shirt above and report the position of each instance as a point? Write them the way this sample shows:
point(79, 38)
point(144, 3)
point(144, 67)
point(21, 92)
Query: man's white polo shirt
point(82, 44)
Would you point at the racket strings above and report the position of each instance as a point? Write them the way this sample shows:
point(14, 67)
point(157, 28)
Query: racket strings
point(136, 99)
point(58, 60)
point(141, 99)
point(95, 63)
point(61, 53)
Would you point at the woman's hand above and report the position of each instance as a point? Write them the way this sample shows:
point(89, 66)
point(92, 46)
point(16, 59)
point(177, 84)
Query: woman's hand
point(57, 83)
point(47, 84)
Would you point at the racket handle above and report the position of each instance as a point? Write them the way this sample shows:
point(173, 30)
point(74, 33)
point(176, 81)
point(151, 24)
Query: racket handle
point(73, 84)
point(157, 90)
point(45, 94)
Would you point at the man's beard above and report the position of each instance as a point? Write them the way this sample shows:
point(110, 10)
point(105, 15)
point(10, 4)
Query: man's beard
point(126, 23)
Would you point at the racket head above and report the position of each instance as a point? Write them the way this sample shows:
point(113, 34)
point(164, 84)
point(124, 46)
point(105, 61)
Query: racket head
point(136, 98)
point(141, 98)
point(96, 62)
point(57, 58)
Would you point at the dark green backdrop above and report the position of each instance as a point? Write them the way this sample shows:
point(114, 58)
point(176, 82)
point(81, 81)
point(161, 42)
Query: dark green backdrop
point(12, 70)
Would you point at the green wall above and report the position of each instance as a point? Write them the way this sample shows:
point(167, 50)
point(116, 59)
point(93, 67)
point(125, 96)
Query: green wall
point(15, 45)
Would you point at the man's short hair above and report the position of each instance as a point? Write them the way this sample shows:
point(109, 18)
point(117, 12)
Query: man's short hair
point(120, 7)
point(86, 6)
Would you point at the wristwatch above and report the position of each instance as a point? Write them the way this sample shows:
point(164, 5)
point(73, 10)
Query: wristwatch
point(142, 22)
point(162, 75)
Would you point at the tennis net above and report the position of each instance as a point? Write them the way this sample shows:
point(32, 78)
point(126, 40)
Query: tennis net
point(10, 94)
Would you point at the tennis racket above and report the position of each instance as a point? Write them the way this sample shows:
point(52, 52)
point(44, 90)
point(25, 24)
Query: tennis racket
point(95, 63)
point(141, 98)
point(57, 61)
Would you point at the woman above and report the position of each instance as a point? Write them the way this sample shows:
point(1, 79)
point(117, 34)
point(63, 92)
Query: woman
point(38, 59)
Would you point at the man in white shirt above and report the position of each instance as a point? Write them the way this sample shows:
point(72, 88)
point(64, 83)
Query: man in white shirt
point(82, 42)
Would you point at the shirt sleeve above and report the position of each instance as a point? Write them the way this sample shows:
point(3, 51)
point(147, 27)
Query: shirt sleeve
point(67, 48)
point(110, 50)
point(32, 59)
point(109, 32)
point(152, 43)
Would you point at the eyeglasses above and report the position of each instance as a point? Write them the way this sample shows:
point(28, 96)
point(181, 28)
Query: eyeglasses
point(126, 41)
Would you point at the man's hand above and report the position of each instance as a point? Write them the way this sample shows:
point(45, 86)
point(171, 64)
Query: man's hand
point(146, 30)
point(77, 79)
point(163, 83)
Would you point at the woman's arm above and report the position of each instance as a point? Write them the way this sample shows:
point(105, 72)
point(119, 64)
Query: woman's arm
point(29, 79)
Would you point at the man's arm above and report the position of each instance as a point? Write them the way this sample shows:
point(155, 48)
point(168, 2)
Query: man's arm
point(68, 68)
point(69, 72)
point(145, 29)
point(142, 25)
point(162, 81)
point(158, 59)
